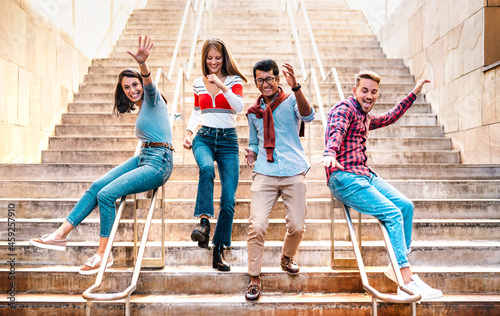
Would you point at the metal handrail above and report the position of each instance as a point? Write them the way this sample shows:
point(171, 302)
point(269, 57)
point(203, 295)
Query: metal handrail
point(190, 4)
point(184, 73)
point(376, 295)
point(324, 76)
point(202, 5)
point(89, 294)
point(311, 73)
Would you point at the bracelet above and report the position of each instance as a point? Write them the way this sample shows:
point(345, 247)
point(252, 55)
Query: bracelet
point(144, 76)
point(297, 88)
point(140, 64)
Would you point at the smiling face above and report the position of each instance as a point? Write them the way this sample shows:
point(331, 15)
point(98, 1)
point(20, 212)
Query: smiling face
point(133, 89)
point(366, 93)
point(214, 61)
point(267, 89)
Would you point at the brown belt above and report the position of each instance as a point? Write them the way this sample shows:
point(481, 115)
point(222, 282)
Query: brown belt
point(154, 144)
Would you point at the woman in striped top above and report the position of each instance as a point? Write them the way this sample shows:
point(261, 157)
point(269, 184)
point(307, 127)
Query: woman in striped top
point(218, 97)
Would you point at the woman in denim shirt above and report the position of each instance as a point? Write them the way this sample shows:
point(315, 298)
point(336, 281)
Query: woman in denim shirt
point(147, 171)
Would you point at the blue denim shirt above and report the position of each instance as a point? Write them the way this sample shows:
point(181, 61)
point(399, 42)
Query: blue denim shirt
point(289, 156)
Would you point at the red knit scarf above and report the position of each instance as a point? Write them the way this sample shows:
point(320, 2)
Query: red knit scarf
point(267, 114)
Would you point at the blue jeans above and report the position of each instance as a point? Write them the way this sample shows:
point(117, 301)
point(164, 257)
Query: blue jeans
point(373, 196)
point(147, 171)
point(220, 145)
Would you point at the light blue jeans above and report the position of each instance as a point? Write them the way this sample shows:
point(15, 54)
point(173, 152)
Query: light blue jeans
point(147, 171)
point(373, 196)
point(220, 145)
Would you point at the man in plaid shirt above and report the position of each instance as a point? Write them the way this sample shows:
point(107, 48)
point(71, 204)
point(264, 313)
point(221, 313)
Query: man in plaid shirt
point(353, 183)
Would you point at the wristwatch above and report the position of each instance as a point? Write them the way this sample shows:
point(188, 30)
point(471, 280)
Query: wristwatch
point(297, 88)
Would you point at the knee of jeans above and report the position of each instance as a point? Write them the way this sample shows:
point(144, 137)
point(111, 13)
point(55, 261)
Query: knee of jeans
point(104, 198)
point(95, 187)
point(207, 170)
point(408, 208)
point(227, 209)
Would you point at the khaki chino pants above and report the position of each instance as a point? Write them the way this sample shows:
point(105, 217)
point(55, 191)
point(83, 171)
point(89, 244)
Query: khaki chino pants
point(265, 192)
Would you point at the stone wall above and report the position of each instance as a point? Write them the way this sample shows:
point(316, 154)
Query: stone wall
point(451, 42)
point(46, 48)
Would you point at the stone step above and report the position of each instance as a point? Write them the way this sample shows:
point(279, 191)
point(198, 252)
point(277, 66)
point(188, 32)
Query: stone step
point(319, 208)
point(310, 253)
point(62, 171)
point(230, 30)
point(413, 189)
point(119, 156)
point(86, 156)
point(409, 119)
point(343, 69)
point(129, 143)
point(385, 88)
point(310, 280)
point(248, 62)
point(270, 304)
point(250, 95)
point(91, 108)
point(316, 229)
point(116, 130)
point(236, 43)
point(413, 156)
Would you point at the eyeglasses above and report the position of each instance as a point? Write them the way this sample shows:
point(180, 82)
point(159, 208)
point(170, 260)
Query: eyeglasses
point(269, 80)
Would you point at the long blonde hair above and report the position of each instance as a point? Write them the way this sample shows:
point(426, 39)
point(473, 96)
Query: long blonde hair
point(229, 67)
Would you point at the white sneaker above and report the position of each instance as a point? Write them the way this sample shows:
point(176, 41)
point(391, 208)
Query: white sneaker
point(94, 263)
point(389, 272)
point(420, 287)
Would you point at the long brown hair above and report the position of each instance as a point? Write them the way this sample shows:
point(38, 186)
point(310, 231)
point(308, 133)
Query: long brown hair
point(122, 102)
point(229, 67)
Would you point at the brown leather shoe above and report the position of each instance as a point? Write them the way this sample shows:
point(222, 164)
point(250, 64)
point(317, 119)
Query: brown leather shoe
point(289, 266)
point(253, 292)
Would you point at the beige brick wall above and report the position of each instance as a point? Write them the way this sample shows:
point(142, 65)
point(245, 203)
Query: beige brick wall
point(46, 48)
point(449, 42)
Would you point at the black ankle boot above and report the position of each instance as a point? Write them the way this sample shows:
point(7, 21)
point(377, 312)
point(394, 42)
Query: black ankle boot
point(219, 261)
point(201, 233)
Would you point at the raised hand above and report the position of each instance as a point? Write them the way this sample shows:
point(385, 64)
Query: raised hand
point(420, 84)
point(143, 50)
point(289, 75)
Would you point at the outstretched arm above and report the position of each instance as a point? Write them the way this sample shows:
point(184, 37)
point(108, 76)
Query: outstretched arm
point(302, 103)
point(141, 56)
point(419, 86)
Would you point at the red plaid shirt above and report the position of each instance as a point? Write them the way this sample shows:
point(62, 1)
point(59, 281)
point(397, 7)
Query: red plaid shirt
point(347, 132)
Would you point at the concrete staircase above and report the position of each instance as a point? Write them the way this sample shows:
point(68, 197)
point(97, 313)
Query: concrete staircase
point(456, 231)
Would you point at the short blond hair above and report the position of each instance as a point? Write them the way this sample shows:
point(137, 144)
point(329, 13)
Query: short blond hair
point(366, 74)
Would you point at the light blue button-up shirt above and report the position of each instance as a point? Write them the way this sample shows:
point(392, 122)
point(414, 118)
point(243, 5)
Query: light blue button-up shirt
point(289, 156)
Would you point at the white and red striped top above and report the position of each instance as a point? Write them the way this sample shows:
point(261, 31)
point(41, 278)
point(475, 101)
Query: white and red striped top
point(217, 111)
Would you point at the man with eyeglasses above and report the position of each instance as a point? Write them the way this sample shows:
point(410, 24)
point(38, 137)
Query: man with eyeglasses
point(275, 122)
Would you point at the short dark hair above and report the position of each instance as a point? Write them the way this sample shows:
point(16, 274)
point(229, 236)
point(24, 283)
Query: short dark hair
point(266, 65)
